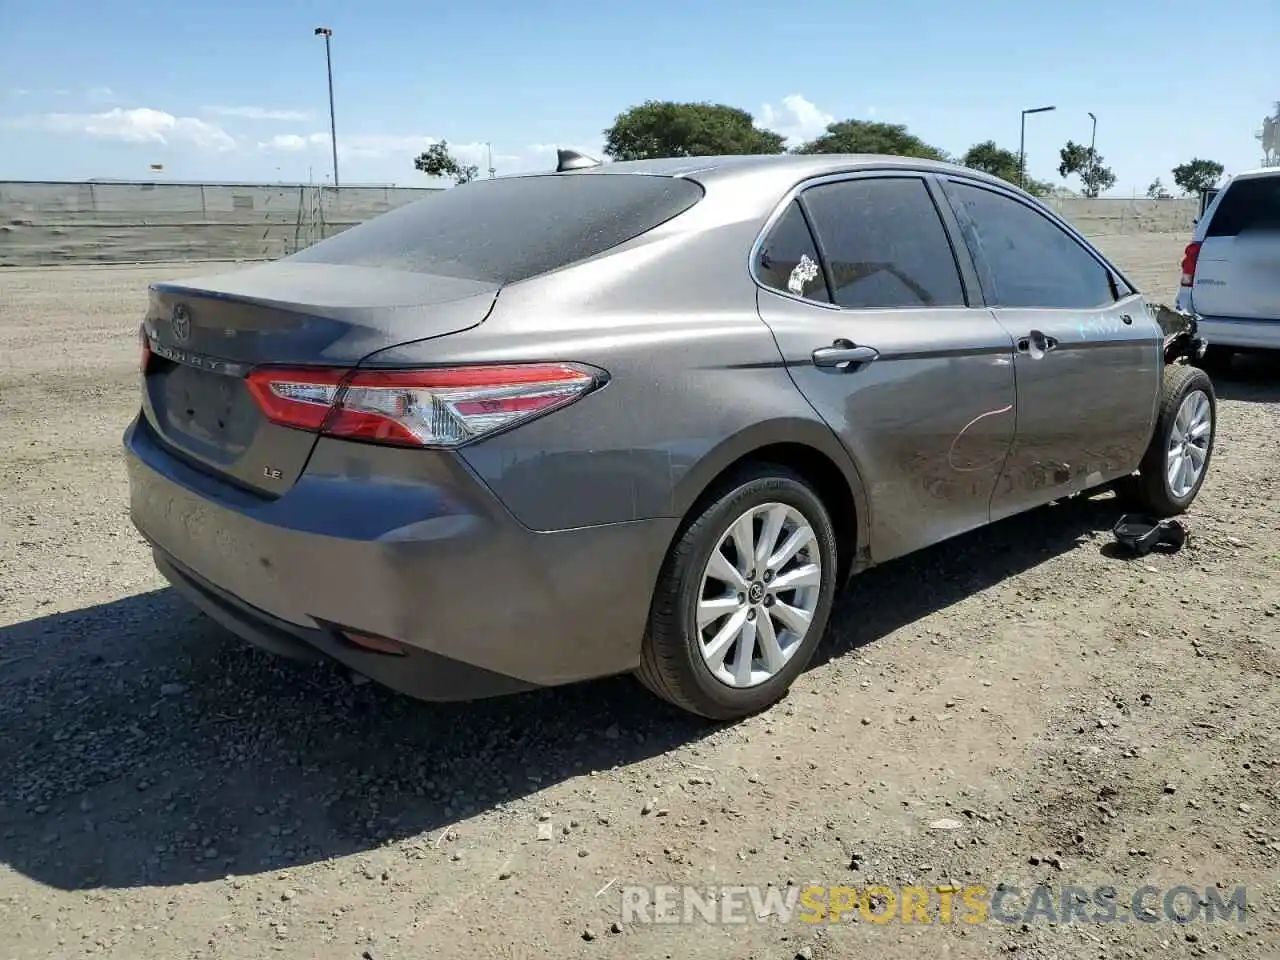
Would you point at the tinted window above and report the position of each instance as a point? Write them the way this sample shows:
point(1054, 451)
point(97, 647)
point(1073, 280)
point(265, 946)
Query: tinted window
point(1247, 206)
point(789, 260)
point(1032, 261)
point(884, 243)
point(506, 230)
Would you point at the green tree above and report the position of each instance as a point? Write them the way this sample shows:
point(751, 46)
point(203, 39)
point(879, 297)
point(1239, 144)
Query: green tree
point(664, 128)
point(437, 161)
point(868, 136)
point(1197, 175)
point(1086, 163)
point(1157, 190)
point(998, 162)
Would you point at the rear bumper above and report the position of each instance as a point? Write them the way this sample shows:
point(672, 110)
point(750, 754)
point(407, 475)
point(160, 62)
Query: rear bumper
point(417, 551)
point(1244, 334)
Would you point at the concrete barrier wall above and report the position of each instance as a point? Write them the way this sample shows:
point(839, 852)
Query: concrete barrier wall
point(1109, 216)
point(67, 223)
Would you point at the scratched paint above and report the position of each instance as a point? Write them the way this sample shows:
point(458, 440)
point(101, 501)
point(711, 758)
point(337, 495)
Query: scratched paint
point(1099, 326)
point(951, 453)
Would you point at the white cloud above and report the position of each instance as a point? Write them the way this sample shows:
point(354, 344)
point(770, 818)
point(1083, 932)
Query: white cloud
point(394, 153)
point(798, 119)
point(139, 125)
point(256, 113)
point(101, 95)
point(288, 142)
point(380, 145)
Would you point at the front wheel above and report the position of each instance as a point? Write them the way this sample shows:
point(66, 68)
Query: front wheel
point(743, 598)
point(1177, 460)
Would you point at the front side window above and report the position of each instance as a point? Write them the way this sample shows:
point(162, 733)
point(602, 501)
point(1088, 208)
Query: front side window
point(789, 260)
point(1032, 261)
point(885, 244)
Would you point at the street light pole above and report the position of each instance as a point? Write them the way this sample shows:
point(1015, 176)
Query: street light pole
point(1022, 144)
point(333, 130)
point(1093, 143)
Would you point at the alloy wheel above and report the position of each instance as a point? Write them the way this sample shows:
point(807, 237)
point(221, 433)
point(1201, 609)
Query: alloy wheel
point(1189, 443)
point(758, 595)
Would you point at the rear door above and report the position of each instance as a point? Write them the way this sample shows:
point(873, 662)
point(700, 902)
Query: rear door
point(877, 331)
point(1088, 353)
point(1238, 271)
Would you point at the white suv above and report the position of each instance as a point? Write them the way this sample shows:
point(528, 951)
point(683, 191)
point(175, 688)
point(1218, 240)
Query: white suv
point(1231, 268)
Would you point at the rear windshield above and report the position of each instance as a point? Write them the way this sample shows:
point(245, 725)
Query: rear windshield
point(1247, 206)
point(506, 230)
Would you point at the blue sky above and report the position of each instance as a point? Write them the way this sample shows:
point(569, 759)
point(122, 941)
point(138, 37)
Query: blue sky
point(235, 90)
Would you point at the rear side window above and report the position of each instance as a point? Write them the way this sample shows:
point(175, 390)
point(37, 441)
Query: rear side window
point(884, 243)
point(1031, 261)
point(789, 259)
point(1248, 206)
point(506, 230)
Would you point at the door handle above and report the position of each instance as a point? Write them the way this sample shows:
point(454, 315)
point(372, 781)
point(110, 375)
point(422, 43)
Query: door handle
point(1037, 344)
point(843, 355)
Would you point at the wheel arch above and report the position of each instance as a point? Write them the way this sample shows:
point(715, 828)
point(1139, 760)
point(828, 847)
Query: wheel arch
point(805, 447)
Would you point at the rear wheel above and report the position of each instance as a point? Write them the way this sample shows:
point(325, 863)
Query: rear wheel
point(743, 598)
point(1177, 460)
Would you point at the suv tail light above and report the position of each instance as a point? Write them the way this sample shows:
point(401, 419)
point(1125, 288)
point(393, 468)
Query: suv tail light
point(418, 408)
point(1189, 258)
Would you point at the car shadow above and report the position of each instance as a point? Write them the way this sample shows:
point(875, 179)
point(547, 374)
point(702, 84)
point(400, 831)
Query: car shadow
point(142, 745)
point(1251, 378)
point(903, 591)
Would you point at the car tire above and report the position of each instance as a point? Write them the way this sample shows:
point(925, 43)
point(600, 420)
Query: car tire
point(1187, 404)
point(678, 658)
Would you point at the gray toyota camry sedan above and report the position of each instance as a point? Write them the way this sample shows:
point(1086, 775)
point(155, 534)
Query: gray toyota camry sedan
point(640, 417)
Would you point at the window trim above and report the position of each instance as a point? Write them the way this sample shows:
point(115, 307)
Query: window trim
point(970, 286)
point(1115, 277)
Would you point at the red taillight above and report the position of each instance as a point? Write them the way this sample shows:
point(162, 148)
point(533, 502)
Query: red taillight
point(420, 408)
point(1189, 258)
point(296, 398)
point(144, 349)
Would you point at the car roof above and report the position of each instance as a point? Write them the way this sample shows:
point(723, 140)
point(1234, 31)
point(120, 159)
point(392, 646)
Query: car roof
point(1256, 174)
point(789, 167)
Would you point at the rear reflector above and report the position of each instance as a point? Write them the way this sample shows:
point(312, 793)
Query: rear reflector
point(1189, 258)
point(418, 408)
point(375, 643)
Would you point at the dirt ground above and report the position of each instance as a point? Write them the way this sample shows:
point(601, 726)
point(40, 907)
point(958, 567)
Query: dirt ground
point(1017, 706)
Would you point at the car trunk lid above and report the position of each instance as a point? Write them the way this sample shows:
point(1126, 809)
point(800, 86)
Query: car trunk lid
point(1237, 271)
point(207, 333)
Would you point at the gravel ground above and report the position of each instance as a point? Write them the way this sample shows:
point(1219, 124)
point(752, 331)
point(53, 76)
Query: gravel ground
point(1018, 706)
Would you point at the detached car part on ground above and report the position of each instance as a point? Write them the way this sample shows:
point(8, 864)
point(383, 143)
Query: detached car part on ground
point(641, 417)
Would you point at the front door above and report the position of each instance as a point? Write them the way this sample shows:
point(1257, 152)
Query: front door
point(875, 327)
point(1088, 354)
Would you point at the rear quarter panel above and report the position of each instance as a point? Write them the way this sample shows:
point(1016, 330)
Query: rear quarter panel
point(696, 379)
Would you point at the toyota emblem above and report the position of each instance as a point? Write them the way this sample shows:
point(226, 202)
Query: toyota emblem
point(181, 323)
